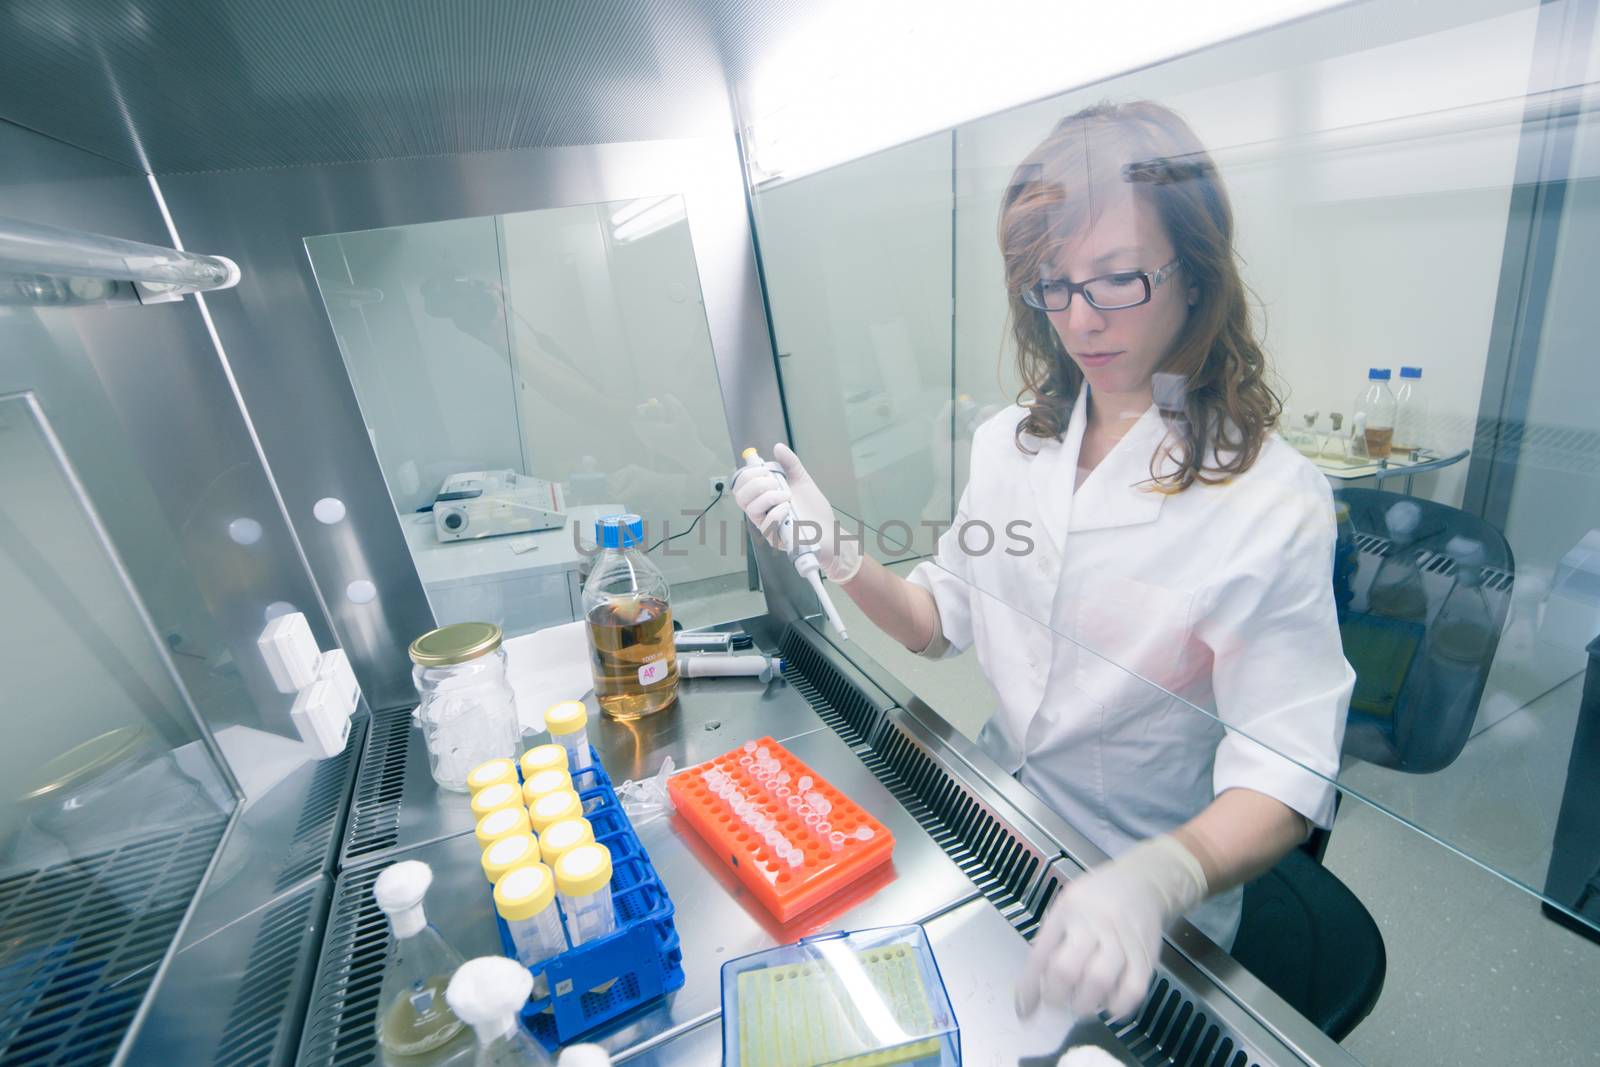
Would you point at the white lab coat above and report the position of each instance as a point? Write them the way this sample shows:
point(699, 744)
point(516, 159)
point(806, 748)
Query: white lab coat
point(1220, 594)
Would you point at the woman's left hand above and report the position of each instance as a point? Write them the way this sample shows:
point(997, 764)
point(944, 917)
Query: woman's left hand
point(1097, 947)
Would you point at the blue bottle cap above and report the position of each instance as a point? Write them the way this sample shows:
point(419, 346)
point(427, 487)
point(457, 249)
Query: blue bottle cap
point(1411, 372)
point(1378, 374)
point(619, 531)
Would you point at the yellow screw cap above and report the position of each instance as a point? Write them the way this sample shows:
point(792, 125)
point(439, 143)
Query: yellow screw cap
point(523, 892)
point(543, 758)
point(567, 717)
point(551, 781)
point(553, 807)
point(584, 870)
point(508, 852)
point(502, 822)
point(497, 796)
point(492, 773)
point(562, 837)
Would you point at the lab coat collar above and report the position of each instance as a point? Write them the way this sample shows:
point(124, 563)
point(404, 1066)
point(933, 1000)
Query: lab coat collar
point(1118, 492)
point(1053, 470)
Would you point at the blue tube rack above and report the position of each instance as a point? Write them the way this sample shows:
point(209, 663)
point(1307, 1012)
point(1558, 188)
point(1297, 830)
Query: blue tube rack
point(641, 960)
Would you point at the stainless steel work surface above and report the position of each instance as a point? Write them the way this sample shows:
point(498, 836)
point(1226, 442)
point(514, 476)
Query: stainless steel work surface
point(397, 805)
point(978, 954)
point(717, 919)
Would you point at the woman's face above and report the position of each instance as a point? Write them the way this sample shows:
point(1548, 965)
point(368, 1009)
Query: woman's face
point(1117, 351)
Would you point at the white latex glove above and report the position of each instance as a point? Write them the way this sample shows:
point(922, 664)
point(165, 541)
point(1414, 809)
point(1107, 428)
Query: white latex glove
point(765, 502)
point(1097, 948)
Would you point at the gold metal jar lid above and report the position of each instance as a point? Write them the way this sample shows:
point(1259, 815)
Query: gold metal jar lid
point(456, 643)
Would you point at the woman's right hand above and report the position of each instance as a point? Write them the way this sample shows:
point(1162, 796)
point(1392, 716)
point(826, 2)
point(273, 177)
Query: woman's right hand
point(765, 501)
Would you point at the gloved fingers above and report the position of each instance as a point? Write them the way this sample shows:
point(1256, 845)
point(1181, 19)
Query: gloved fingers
point(749, 486)
point(1064, 972)
point(793, 469)
point(760, 508)
point(1130, 990)
point(772, 525)
point(1099, 975)
point(1051, 933)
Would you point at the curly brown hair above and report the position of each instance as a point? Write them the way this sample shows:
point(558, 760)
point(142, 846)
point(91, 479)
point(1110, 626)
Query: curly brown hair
point(1226, 406)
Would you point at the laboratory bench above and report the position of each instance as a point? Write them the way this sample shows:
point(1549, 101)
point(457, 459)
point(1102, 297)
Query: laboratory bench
point(976, 860)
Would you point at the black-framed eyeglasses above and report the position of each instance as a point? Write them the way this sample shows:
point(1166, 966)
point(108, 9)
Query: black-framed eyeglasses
point(1108, 292)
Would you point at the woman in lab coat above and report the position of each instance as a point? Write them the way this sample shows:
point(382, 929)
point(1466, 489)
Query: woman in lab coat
point(1142, 565)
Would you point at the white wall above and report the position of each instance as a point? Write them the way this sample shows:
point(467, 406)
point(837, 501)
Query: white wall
point(1325, 211)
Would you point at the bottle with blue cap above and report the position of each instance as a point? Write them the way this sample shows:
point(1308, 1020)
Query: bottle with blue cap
point(628, 606)
point(1412, 429)
point(1375, 411)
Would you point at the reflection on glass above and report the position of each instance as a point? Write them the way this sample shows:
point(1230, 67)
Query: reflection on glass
point(1372, 229)
point(103, 750)
point(521, 375)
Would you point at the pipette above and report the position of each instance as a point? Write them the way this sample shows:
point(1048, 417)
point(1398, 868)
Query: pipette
point(804, 556)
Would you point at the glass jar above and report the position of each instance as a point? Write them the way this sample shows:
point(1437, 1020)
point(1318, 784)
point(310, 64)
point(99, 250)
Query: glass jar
point(468, 713)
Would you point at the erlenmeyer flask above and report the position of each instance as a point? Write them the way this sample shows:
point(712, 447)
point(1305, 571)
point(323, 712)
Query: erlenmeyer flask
point(413, 1016)
point(1464, 629)
point(489, 992)
point(1397, 587)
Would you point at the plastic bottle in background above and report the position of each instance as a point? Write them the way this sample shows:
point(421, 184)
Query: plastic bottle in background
point(488, 993)
point(413, 1016)
point(627, 604)
point(1412, 421)
point(1375, 408)
point(1397, 587)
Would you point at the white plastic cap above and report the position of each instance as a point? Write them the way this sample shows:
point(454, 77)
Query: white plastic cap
point(399, 891)
point(1402, 519)
point(584, 1056)
point(486, 993)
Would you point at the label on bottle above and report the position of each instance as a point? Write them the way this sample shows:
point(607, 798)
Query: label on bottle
point(651, 673)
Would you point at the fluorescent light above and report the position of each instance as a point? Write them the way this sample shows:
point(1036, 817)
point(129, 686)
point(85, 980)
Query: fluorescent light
point(657, 214)
point(854, 78)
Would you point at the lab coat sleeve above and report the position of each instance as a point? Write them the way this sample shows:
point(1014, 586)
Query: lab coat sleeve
point(948, 577)
point(1279, 675)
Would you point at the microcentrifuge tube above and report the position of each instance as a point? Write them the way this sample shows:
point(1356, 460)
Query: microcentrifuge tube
point(824, 828)
point(864, 833)
point(836, 841)
point(761, 753)
point(749, 746)
point(804, 784)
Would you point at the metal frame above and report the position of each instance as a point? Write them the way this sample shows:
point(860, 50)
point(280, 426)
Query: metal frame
point(1533, 233)
point(282, 354)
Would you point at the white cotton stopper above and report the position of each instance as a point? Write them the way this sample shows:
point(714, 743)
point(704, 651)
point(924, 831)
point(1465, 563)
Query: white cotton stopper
point(487, 993)
point(584, 1056)
point(399, 891)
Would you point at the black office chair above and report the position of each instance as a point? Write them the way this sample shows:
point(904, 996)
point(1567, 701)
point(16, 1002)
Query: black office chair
point(1303, 932)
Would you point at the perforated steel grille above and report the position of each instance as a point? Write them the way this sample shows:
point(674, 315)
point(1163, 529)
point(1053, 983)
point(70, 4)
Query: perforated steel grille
point(321, 818)
point(1172, 1029)
point(269, 1005)
point(1001, 865)
point(344, 1000)
point(838, 703)
point(83, 940)
point(375, 806)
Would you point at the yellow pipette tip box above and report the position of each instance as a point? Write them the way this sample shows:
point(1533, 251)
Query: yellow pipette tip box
point(871, 998)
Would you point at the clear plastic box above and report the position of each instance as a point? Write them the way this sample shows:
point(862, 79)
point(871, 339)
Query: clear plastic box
point(872, 997)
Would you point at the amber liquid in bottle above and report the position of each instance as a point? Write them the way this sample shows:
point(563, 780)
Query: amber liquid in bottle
point(635, 663)
point(1380, 442)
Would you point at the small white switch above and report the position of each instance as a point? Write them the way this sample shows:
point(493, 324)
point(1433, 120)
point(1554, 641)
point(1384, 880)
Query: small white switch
point(290, 651)
point(334, 666)
point(322, 723)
